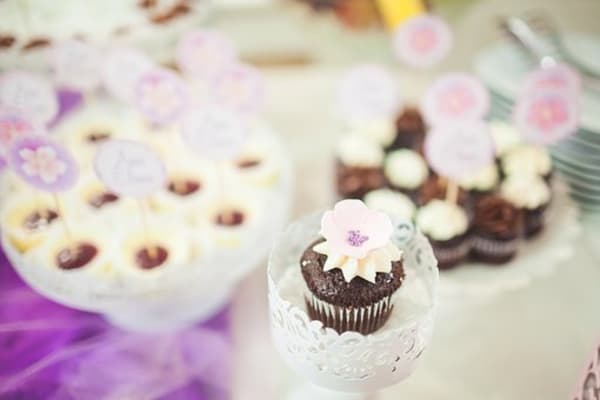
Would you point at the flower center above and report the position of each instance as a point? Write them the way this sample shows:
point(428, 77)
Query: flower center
point(355, 239)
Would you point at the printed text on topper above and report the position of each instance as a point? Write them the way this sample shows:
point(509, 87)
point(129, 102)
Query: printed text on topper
point(161, 96)
point(13, 126)
point(368, 91)
point(239, 87)
point(122, 69)
point(547, 116)
point(29, 94)
point(458, 150)
point(558, 77)
point(422, 41)
point(76, 64)
point(43, 163)
point(204, 53)
point(214, 132)
point(129, 168)
point(455, 97)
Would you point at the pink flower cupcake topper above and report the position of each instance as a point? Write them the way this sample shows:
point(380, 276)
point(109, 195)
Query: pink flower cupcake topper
point(354, 230)
point(43, 164)
point(161, 96)
point(14, 126)
point(203, 53)
point(422, 41)
point(239, 87)
point(558, 77)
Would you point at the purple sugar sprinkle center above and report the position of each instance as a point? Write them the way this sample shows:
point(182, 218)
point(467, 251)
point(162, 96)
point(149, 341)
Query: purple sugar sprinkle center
point(355, 239)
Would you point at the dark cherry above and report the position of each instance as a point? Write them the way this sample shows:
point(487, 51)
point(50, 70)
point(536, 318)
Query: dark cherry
point(98, 136)
point(230, 218)
point(6, 41)
point(248, 163)
point(184, 187)
point(76, 256)
point(39, 219)
point(101, 199)
point(151, 257)
point(36, 43)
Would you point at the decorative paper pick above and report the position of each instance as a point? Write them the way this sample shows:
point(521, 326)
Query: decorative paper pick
point(161, 96)
point(456, 150)
point(588, 387)
point(29, 94)
point(123, 67)
point(455, 97)
point(239, 87)
point(129, 168)
point(367, 92)
point(14, 126)
point(558, 77)
point(395, 12)
point(3, 164)
point(547, 116)
point(204, 53)
point(422, 41)
point(214, 132)
point(76, 64)
point(43, 164)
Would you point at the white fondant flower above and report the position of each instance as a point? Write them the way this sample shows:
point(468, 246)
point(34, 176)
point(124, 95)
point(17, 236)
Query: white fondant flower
point(43, 162)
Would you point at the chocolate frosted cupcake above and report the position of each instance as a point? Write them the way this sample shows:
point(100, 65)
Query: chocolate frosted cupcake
point(526, 159)
point(410, 130)
point(405, 171)
point(496, 230)
point(482, 182)
point(353, 272)
point(532, 196)
point(359, 166)
point(435, 188)
point(446, 226)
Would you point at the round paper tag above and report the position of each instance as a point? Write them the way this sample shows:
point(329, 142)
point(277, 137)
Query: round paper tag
point(43, 164)
point(3, 164)
point(123, 67)
point(29, 94)
point(457, 150)
point(558, 77)
point(14, 126)
point(547, 116)
point(161, 96)
point(204, 54)
point(76, 64)
point(129, 168)
point(214, 132)
point(455, 97)
point(422, 41)
point(368, 92)
point(239, 87)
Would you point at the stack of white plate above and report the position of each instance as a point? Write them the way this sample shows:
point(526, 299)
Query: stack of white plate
point(502, 68)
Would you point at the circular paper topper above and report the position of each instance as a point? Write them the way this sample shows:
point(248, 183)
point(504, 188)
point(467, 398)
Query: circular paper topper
point(3, 164)
point(558, 77)
point(368, 91)
point(129, 168)
point(457, 150)
point(29, 94)
point(546, 116)
point(76, 64)
point(455, 97)
point(13, 126)
point(42, 163)
point(422, 41)
point(204, 53)
point(161, 96)
point(214, 132)
point(239, 87)
point(123, 67)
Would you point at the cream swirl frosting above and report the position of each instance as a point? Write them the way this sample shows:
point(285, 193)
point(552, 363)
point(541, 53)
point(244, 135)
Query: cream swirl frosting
point(356, 150)
point(377, 260)
point(390, 202)
point(525, 191)
point(527, 159)
point(484, 179)
point(379, 130)
point(406, 169)
point(505, 137)
point(442, 220)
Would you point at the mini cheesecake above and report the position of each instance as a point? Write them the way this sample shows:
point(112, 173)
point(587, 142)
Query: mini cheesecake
point(28, 218)
point(231, 221)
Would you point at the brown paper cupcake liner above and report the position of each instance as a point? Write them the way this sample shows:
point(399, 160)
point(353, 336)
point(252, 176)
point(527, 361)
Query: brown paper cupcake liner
point(450, 256)
point(496, 248)
point(364, 320)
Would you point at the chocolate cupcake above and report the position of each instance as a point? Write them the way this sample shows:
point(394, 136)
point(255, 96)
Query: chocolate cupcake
point(446, 226)
point(526, 159)
point(359, 167)
point(482, 182)
point(406, 171)
point(435, 188)
point(496, 230)
point(410, 130)
point(532, 196)
point(354, 271)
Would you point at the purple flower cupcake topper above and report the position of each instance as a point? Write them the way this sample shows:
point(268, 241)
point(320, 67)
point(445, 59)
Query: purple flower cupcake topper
point(43, 164)
point(161, 96)
point(239, 87)
point(204, 53)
